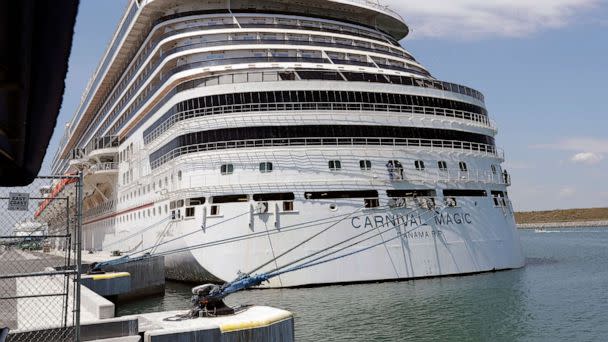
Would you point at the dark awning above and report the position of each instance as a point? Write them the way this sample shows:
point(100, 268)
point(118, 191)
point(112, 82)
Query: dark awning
point(35, 43)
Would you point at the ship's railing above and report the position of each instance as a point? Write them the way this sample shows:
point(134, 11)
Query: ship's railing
point(227, 61)
point(454, 176)
point(314, 106)
point(150, 69)
point(109, 166)
point(152, 45)
point(108, 57)
point(244, 184)
point(104, 208)
point(432, 144)
point(151, 89)
point(109, 141)
point(377, 5)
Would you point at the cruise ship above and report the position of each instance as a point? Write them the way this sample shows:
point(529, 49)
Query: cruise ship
point(245, 136)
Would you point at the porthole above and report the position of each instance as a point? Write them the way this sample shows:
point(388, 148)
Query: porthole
point(333, 207)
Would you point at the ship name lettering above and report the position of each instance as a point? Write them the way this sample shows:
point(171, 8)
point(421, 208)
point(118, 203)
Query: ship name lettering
point(411, 220)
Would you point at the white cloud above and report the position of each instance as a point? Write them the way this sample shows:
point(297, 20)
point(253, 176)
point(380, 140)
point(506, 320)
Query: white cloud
point(468, 19)
point(589, 158)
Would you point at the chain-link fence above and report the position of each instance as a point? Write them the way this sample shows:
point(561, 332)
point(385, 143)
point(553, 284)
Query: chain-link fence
point(39, 258)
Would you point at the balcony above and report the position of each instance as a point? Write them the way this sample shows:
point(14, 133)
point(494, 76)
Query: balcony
point(99, 168)
point(102, 147)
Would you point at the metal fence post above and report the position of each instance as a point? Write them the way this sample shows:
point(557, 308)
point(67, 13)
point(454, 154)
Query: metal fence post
point(78, 231)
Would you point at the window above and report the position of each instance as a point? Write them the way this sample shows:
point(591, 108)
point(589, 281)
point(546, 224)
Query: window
point(190, 212)
point(335, 165)
point(493, 169)
point(288, 206)
point(179, 177)
point(227, 169)
point(443, 166)
point(279, 196)
point(230, 199)
point(464, 193)
point(341, 194)
point(215, 210)
point(499, 198)
point(463, 166)
point(266, 167)
point(371, 203)
point(196, 201)
point(365, 165)
point(419, 164)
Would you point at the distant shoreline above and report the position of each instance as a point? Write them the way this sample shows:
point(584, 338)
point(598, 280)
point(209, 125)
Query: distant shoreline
point(574, 225)
point(566, 218)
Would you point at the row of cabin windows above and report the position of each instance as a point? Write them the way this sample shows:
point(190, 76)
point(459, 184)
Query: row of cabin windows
point(364, 165)
point(334, 165)
point(228, 169)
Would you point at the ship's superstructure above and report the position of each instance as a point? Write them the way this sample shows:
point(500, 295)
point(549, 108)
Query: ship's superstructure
point(222, 133)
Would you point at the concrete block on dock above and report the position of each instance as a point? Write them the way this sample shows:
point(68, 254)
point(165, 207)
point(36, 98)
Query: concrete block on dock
point(109, 328)
point(256, 323)
point(108, 284)
point(94, 306)
point(147, 277)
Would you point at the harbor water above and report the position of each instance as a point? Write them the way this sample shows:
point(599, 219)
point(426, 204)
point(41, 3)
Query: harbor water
point(561, 294)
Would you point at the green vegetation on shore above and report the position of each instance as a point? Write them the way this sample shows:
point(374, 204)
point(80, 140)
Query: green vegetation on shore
point(568, 215)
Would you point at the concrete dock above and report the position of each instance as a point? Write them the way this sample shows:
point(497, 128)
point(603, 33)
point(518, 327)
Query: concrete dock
point(256, 323)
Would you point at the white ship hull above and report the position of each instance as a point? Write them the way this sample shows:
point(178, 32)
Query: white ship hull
point(469, 239)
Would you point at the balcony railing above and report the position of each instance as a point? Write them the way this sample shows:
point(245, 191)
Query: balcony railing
point(153, 44)
point(104, 208)
point(111, 166)
point(314, 106)
point(482, 149)
point(377, 5)
point(102, 143)
point(224, 61)
point(453, 176)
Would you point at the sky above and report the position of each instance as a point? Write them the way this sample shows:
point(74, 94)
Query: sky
point(541, 64)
